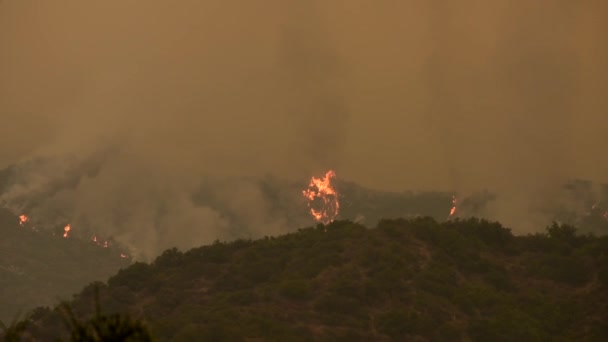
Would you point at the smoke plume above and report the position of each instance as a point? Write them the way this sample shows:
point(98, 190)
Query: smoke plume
point(147, 103)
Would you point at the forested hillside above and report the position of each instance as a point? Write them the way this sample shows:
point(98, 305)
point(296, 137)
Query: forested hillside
point(42, 267)
point(404, 279)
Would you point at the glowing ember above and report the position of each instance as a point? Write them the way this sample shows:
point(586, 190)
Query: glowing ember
point(104, 244)
point(453, 210)
point(67, 230)
point(22, 219)
point(322, 198)
point(124, 256)
point(596, 208)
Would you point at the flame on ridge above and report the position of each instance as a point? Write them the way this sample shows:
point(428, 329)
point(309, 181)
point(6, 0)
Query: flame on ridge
point(23, 219)
point(321, 189)
point(454, 207)
point(604, 214)
point(67, 230)
point(104, 244)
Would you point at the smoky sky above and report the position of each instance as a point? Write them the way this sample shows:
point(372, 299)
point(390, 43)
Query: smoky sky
point(425, 95)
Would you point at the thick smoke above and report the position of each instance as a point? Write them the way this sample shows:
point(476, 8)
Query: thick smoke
point(197, 108)
point(158, 101)
point(312, 71)
point(514, 89)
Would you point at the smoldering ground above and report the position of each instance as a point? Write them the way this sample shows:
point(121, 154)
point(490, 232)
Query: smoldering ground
point(505, 96)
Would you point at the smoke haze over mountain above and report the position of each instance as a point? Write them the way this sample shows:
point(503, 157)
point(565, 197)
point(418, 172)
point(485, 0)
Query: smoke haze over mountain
point(503, 95)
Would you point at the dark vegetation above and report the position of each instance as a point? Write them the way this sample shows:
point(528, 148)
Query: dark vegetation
point(39, 268)
point(99, 328)
point(405, 279)
point(458, 280)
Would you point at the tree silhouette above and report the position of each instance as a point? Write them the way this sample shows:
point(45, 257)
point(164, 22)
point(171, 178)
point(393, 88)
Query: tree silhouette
point(102, 327)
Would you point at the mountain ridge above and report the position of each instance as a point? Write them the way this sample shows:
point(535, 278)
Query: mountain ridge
point(404, 279)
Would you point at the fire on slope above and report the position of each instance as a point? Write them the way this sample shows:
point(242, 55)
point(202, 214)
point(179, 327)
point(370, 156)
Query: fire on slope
point(596, 208)
point(322, 198)
point(24, 221)
point(104, 244)
point(454, 207)
point(67, 230)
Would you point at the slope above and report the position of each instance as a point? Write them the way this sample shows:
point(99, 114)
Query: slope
point(405, 279)
point(38, 268)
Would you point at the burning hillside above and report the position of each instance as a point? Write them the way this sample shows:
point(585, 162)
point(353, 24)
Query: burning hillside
point(37, 266)
point(402, 280)
point(148, 217)
point(88, 199)
point(25, 222)
point(265, 202)
point(322, 198)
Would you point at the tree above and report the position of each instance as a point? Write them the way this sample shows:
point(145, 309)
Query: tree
point(102, 327)
point(12, 332)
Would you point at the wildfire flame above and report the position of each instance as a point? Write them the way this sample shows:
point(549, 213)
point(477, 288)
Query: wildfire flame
point(596, 207)
point(321, 188)
point(67, 230)
point(23, 219)
point(104, 244)
point(454, 204)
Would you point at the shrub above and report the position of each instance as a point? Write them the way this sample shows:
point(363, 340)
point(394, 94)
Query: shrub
point(603, 275)
point(570, 270)
point(398, 324)
point(337, 304)
point(499, 279)
point(298, 289)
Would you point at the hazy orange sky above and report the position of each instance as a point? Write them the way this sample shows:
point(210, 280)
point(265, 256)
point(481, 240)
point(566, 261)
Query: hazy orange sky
point(504, 95)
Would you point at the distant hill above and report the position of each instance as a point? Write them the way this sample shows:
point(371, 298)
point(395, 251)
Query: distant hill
point(581, 202)
point(411, 279)
point(357, 203)
point(39, 268)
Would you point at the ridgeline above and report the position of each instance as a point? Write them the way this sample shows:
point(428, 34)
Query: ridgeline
point(41, 267)
point(411, 279)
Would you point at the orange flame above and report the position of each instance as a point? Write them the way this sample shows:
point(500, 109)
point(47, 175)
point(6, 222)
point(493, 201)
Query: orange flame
point(453, 210)
point(67, 230)
point(104, 244)
point(22, 219)
point(321, 188)
point(597, 207)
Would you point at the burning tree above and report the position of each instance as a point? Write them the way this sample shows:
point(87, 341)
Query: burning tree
point(322, 198)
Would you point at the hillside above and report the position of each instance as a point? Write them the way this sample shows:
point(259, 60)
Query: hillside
point(274, 200)
point(39, 268)
point(403, 280)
